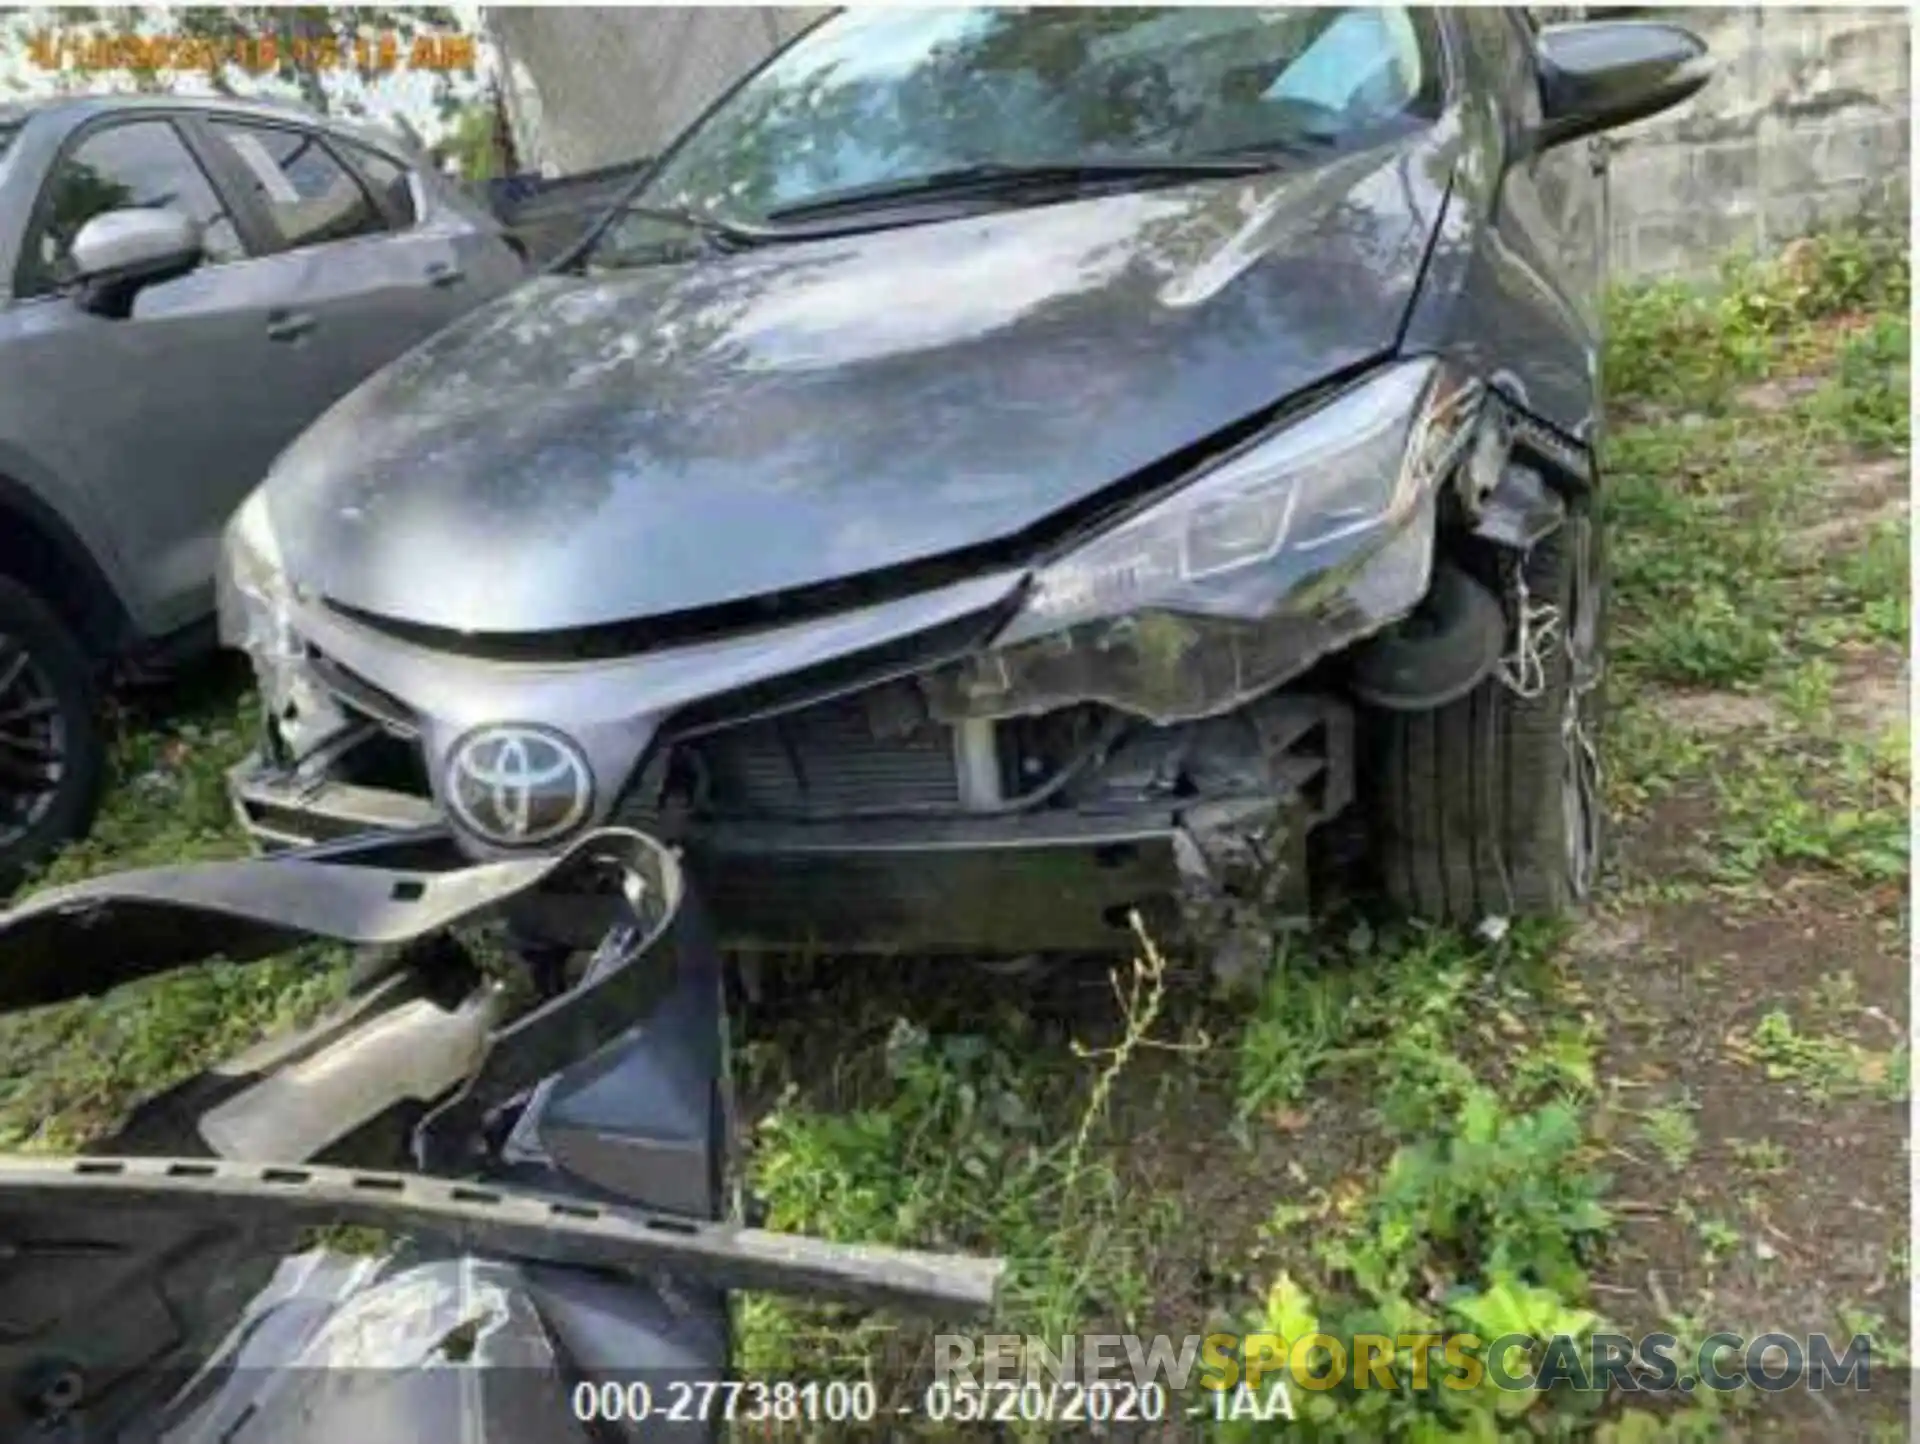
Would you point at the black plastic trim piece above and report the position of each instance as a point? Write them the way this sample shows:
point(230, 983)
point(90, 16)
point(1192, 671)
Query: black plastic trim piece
point(490, 1219)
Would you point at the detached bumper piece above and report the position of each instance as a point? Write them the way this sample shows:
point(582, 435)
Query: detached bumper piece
point(172, 1301)
point(145, 1300)
point(532, 1227)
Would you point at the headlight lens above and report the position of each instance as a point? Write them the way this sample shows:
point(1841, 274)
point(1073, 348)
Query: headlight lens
point(1301, 542)
point(255, 614)
point(251, 590)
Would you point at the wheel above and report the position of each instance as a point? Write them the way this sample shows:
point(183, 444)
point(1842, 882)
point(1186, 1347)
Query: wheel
point(52, 753)
point(1490, 806)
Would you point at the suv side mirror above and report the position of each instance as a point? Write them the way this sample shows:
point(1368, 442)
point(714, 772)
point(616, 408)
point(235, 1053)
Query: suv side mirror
point(118, 252)
point(1605, 73)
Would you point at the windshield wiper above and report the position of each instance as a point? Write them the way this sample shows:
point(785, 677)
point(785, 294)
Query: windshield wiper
point(1003, 178)
point(727, 233)
point(722, 235)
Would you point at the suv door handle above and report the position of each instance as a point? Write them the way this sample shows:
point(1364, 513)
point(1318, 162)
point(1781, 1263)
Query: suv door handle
point(444, 273)
point(289, 325)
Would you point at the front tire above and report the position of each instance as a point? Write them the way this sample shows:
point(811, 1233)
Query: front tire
point(1490, 806)
point(52, 749)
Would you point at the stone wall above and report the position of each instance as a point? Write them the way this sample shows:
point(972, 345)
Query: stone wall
point(1807, 121)
point(590, 86)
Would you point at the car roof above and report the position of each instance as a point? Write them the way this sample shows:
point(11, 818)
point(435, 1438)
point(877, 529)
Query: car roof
point(72, 109)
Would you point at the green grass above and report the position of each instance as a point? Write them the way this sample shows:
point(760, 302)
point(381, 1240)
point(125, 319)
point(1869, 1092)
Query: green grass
point(1863, 593)
point(70, 1072)
point(1676, 347)
point(1841, 806)
point(1699, 560)
point(1868, 403)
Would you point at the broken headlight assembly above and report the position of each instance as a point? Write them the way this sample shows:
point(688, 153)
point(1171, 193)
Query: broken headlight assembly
point(254, 610)
point(1301, 542)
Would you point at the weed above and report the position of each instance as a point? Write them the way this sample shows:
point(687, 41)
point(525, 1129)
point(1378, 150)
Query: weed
point(1842, 807)
point(1865, 588)
point(966, 1152)
point(1836, 995)
point(1826, 1065)
point(1482, 1228)
point(1762, 1156)
point(1671, 347)
point(1677, 346)
point(1842, 270)
point(1559, 1066)
point(1651, 753)
point(1806, 692)
point(1868, 404)
point(1888, 1348)
point(1718, 1237)
point(1671, 1132)
point(1698, 557)
point(1305, 1012)
point(1717, 638)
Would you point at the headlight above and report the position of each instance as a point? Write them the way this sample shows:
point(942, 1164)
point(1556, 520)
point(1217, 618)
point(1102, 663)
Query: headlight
point(1301, 542)
point(255, 614)
point(251, 595)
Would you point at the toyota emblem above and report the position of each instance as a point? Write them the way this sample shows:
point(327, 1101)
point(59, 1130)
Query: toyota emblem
point(517, 785)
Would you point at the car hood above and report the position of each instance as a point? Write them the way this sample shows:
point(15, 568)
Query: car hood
point(673, 437)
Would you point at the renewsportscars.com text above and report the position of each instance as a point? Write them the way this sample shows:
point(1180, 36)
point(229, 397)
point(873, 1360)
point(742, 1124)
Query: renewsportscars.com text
point(1653, 1363)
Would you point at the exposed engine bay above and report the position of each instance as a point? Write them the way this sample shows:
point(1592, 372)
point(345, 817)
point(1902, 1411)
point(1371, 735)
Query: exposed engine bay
point(914, 772)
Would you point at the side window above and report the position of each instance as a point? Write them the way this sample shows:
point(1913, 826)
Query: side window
point(136, 163)
point(389, 178)
point(311, 197)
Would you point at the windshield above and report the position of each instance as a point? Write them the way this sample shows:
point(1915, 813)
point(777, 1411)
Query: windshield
point(872, 98)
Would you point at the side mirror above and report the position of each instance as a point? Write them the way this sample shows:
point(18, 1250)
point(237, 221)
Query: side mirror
point(1605, 73)
point(118, 252)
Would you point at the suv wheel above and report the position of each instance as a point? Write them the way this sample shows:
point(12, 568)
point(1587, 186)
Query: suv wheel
point(52, 752)
point(1491, 805)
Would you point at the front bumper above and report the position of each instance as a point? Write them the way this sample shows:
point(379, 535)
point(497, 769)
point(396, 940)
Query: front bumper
point(1055, 880)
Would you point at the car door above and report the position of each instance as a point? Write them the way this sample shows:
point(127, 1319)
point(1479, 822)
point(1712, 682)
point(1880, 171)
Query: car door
point(440, 226)
point(361, 276)
point(168, 416)
point(1569, 181)
point(1547, 241)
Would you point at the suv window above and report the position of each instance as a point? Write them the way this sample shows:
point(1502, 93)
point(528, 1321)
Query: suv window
point(390, 180)
point(311, 197)
point(134, 163)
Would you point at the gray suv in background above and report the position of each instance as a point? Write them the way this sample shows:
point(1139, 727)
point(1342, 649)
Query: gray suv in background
point(184, 286)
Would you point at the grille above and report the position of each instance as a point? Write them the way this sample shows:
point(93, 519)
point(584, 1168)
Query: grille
point(354, 691)
point(848, 755)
